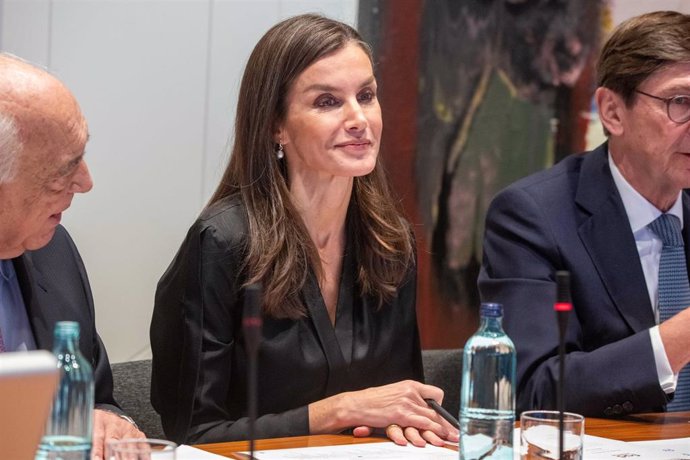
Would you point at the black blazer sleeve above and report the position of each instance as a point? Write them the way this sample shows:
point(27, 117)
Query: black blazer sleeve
point(194, 329)
point(55, 288)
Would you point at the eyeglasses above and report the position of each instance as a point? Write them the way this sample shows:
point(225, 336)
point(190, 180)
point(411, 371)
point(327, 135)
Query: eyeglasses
point(677, 107)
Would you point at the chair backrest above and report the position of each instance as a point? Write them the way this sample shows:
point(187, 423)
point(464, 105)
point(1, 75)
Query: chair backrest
point(132, 391)
point(443, 368)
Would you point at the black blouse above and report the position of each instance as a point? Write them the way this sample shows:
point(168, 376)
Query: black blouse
point(199, 360)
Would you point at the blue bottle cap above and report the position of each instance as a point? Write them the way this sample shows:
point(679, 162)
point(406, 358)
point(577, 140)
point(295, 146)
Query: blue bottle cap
point(491, 310)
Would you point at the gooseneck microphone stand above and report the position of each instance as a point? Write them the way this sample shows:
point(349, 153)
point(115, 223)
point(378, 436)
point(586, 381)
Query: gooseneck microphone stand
point(251, 326)
point(563, 306)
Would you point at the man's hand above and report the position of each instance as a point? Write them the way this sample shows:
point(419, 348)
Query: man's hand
point(107, 426)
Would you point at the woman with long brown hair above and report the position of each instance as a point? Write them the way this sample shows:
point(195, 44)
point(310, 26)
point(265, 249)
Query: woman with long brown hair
point(303, 208)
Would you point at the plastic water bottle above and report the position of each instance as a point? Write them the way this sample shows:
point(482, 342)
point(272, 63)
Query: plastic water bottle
point(487, 395)
point(68, 430)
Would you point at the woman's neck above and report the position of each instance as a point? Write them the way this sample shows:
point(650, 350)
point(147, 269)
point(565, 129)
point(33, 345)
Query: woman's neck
point(323, 207)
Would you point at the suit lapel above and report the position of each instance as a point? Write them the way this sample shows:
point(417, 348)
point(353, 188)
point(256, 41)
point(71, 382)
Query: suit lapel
point(34, 288)
point(606, 234)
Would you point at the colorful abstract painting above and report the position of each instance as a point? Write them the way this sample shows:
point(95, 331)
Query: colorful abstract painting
point(476, 94)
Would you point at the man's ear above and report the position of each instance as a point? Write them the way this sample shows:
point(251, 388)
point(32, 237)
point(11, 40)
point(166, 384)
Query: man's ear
point(612, 110)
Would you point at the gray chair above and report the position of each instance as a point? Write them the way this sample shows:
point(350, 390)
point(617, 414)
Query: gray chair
point(132, 391)
point(443, 368)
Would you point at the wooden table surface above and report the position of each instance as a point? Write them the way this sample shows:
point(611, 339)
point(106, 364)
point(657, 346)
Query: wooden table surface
point(228, 449)
point(642, 427)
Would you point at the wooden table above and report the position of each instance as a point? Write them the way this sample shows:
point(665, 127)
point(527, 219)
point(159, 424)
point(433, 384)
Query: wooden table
point(228, 449)
point(642, 427)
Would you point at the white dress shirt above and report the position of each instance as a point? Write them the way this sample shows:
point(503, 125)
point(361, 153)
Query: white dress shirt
point(641, 213)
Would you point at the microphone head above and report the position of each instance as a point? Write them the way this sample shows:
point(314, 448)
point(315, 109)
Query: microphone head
point(251, 321)
point(563, 299)
point(252, 305)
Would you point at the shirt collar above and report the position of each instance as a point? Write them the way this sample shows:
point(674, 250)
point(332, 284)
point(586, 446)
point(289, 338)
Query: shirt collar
point(640, 211)
point(7, 269)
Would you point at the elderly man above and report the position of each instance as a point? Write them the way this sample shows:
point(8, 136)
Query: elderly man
point(42, 140)
point(618, 219)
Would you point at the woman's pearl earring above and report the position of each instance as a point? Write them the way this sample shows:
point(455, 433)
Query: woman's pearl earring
point(280, 153)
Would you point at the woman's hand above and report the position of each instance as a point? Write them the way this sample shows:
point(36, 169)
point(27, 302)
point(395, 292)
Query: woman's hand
point(402, 436)
point(399, 408)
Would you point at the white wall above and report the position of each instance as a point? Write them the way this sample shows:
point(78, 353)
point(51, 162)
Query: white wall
point(157, 81)
point(625, 9)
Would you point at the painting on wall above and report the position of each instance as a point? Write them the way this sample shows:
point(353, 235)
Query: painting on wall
point(476, 94)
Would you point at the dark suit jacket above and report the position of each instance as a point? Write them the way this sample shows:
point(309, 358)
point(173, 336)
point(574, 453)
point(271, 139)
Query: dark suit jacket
point(571, 217)
point(199, 360)
point(55, 288)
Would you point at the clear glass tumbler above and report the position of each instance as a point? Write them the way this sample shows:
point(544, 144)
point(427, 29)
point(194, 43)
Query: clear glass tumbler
point(539, 435)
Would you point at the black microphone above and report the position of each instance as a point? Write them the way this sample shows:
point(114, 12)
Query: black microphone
point(251, 326)
point(563, 306)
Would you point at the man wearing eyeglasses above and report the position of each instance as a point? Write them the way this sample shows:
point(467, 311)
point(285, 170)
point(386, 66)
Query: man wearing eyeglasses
point(618, 219)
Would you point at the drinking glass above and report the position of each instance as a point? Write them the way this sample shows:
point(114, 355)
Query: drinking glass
point(539, 435)
point(140, 449)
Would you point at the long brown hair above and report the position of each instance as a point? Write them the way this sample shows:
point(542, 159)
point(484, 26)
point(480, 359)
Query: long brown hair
point(280, 250)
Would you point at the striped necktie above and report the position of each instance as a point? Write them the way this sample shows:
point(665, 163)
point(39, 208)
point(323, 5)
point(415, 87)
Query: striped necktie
point(674, 292)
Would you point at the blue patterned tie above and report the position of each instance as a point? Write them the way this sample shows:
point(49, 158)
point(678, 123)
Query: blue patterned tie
point(674, 292)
